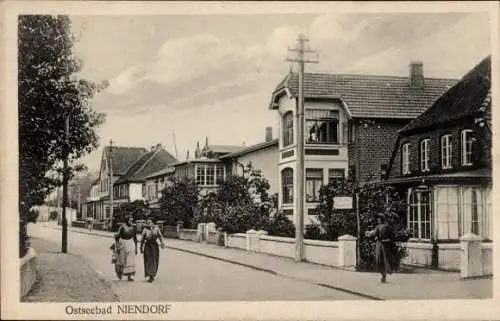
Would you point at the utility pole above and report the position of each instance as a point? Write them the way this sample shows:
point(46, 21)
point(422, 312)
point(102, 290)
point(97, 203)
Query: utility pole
point(64, 241)
point(300, 51)
point(110, 172)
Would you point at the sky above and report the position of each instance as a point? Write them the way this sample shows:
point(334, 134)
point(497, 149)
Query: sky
point(190, 77)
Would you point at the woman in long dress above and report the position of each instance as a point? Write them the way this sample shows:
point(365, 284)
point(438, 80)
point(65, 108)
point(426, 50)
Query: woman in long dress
point(151, 234)
point(384, 256)
point(126, 245)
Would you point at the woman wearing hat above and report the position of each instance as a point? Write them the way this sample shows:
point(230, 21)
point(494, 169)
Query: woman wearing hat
point(383, 235)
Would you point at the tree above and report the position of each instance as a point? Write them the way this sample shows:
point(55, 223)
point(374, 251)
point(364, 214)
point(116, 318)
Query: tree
point(56, 122)
point(137, 209)
point(240, 203)
point(49, 92)
point(179, 201)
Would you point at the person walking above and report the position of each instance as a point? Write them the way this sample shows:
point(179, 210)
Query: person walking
point(384, 256)
point(126, 247)
point(150, 237)
point(90, 223)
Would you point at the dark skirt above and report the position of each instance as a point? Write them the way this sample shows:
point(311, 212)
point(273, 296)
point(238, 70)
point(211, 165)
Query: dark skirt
point(384, 256)
point(151, 259)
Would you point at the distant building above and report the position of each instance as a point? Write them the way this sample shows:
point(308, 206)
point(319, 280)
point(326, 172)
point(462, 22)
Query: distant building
point(351, 121)
point(442, 163)
point(131, 166)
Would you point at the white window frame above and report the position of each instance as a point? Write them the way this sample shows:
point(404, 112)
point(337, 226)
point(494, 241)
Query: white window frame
point(288, 131)
point(418, 216)
point(284, 198)
point(446, 151)
point(315, 189)
point(405, 159)
point(203, 181)
point(466, 147)
point(424, 155)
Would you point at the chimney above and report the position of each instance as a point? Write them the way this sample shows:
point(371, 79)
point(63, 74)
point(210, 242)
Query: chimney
point(269, 134)
point(159, 146)
point(417, 74)
point(187, 155)
point(153, 148)
point(197, 150)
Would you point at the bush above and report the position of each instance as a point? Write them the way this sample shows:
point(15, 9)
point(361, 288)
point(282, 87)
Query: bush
point(138, 210)
point(240, 203)
point(372, 201)
point(314, 232)
point(33, 215)
point(179, 201)
point(280, 225)
point(53, 215)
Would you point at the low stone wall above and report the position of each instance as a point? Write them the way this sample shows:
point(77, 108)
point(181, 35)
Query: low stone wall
point(337, 254)
point(237, 240)
point(322, 252)
point(188, 234)
point(419, 254)
point(28, 271)
point(82, 224)
point(487, 249)
point(449, 256)
point(170, 232)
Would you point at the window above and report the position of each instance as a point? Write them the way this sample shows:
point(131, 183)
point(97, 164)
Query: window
point(322, 126)
point(446, 151)
point(206, 174)
point(405, 159)
point(288, 129)
point(335, 174)
point(488, 226)
point(419, 214)
point(219, 174)
point(287, 184)
point(314, 181)
point(472, 211)
point(352, 136)
point(447, 213)
point(424, 155)
point(466, 140)
point(144, 190)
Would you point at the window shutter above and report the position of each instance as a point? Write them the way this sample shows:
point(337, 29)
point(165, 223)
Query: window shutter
point(345, 132)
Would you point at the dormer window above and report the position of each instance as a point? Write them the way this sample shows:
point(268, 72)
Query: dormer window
point(405, 159)
point(466, 139)
point(446, 151)
point(322, 126)
point(424, 155)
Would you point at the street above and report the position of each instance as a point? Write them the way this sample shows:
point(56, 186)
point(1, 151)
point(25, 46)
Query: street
point(188, 277)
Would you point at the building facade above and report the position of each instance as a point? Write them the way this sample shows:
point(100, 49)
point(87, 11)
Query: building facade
point(351, 123)
point(442, 164)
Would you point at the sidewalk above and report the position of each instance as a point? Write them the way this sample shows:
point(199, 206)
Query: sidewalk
point(421, 284)
point(66, 278)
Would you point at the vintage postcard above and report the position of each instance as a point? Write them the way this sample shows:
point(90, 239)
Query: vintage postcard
point(249, 160)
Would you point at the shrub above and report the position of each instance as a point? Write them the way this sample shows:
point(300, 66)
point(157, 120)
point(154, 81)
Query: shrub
point(179, 201)
point(280, 225)
point(372, 201)
point(53, 215)
point(137, 209)
point(314, 232)
point(33, 215)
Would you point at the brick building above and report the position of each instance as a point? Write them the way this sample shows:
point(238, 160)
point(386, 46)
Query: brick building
point(442, 163)
point(351, 121)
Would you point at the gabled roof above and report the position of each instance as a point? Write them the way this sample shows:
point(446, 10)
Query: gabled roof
point(123, 157)
point(163, 172)
point(367, 95)
point(462, 100)
point(252, 148)
point(221, 149)
point(149, 163)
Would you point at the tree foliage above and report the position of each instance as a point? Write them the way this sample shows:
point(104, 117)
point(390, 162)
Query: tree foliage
point(373, 200)
point(137, 209)
point(49, 91)
point(242, 203)
point(179, 201)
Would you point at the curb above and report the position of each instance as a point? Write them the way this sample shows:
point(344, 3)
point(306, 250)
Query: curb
point(363, 295)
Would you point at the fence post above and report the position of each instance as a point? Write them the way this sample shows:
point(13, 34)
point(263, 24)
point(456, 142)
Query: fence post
point(471, 256)
point(347, 251)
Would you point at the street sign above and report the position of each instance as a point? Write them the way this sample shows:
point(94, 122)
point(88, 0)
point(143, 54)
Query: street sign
point(343, 202)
